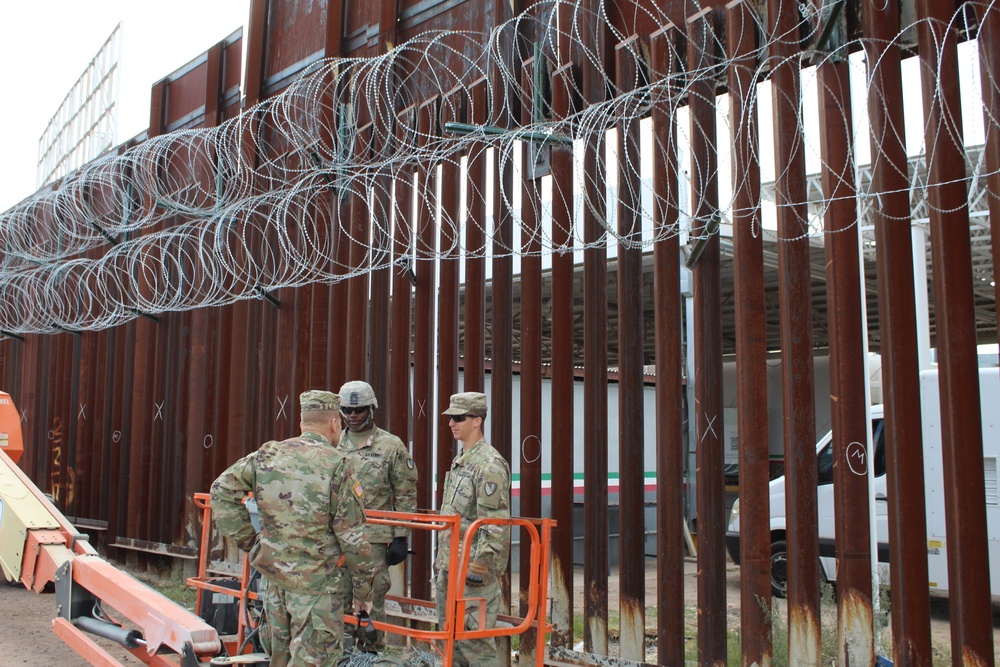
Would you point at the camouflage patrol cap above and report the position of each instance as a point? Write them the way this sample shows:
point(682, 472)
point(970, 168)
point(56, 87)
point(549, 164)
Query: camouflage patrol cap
point(467, 403)
point(317, 399)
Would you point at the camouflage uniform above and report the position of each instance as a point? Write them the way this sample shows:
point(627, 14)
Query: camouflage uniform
point(309, 504)
point(389, 477)
point(477, 486)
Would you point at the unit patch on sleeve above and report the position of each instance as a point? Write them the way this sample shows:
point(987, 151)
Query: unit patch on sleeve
point(491, 488)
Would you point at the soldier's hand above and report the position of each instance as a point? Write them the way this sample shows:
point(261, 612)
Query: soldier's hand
point(397, 552)
point(476, 574)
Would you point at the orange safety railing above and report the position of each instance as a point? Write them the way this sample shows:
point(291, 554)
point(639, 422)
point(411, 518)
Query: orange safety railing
point(538, 532)
point(204, 582)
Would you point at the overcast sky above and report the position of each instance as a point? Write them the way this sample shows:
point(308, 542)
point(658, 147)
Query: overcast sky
point(46, 46)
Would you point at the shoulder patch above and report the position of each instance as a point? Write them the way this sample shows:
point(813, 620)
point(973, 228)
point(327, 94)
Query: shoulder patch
point(358, 491)
point(410, 463)
point(490, 488)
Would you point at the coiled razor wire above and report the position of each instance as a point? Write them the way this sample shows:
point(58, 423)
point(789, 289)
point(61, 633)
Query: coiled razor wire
point(212, 216)
point(407, 657)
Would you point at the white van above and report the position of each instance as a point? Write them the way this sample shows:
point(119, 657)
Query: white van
point(937, 556)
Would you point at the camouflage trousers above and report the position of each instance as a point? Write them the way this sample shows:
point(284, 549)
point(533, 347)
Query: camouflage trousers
point(302, 629)
point(478, 652)
point(381, 582)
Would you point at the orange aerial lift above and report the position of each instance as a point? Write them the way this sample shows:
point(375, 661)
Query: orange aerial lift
point(443, 639)
point(40, 548)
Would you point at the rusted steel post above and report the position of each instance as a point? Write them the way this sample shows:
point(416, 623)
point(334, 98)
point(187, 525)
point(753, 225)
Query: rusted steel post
point(45, 411)
point(388, 15)
point(199, 412)
point(218, 460)
point(121, 420)
point(81, 455)
point(319, 327)
point(378, 344)
point(77, 375)
point(95, 415)
point(339, 348)
point(989, 67)
point(284, 355)
point(382, 244)
point(474, 374)
point(751, 338)
point(563, 334)
point(449, 237)
point(704, 58)
point(358, 300)
point(595, 355)
point(400, 362)
point(530, 445)
point(502, 328)
point(795, 296)
point(667, 317)
point(848, 379)
point(144, 375)
point(340, 292)
point(505, 111)
point(961, 415)
point(424, 410)
point(631, 495)
point(257, 29)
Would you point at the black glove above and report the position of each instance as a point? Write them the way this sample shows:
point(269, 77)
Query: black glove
point(397, 552)
point(475, 575)
point(366, 638)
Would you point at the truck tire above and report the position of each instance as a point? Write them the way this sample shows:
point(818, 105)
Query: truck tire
point(779, 568)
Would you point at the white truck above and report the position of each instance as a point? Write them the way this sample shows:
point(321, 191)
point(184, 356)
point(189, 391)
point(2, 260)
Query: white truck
point(937, 552)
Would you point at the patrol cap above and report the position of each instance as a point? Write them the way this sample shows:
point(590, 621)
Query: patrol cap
point(356, 394)
point(467, 403)
point(317, 400)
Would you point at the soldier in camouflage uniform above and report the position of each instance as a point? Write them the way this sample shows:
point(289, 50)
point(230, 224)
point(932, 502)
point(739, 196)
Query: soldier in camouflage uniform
point(309, 504)
point(389, 476)
point(477, 486)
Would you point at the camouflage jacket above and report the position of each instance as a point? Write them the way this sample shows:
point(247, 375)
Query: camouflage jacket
point(478, 486)
point(388, 475)
point(309, 504)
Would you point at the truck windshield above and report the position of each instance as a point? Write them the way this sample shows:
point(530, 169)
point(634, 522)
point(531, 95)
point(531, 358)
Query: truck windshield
point(824, 459)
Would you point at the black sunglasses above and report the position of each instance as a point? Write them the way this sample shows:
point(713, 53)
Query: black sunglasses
point(458, 419)
point(351, 411)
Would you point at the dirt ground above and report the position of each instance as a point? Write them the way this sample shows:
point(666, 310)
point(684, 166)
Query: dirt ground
point(26, 636)
point(940, 628)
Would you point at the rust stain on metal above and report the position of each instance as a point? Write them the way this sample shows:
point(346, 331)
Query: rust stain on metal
point(595, 636)
point(632, 633)
point(854, 619)
point(972, 659)
point(562, 600)
point(803, 636)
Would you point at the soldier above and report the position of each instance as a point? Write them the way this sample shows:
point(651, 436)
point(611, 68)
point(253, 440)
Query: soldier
point(477, 486)
point(389, 476)
point(310, 511)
